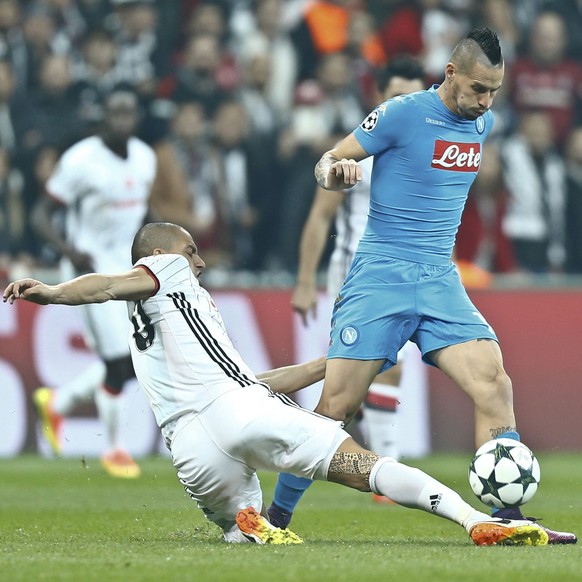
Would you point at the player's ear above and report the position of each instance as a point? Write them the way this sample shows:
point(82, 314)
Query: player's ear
point(450, 71)
point(158, 252)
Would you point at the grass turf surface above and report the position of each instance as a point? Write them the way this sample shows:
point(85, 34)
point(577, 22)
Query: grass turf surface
point(67, 520)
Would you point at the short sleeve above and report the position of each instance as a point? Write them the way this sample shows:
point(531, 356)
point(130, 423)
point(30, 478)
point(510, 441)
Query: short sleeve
point(389, 125)
point(166, 268)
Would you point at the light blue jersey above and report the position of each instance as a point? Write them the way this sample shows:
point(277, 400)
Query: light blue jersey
point(425, 160)
point(402, 284)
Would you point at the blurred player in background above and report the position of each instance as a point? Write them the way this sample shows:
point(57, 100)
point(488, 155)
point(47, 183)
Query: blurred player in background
point(221, 422)
point(350, 210)
point(402, 284)
point(103, 182)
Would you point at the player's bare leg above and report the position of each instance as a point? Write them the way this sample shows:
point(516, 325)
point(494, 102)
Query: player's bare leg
point(477, 368)
point(345, 387)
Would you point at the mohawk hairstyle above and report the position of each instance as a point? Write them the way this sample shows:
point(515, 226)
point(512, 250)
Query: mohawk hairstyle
point(488, 41)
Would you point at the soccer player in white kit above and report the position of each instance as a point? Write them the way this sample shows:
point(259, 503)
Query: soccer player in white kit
point(103, 182)
point(221, 422)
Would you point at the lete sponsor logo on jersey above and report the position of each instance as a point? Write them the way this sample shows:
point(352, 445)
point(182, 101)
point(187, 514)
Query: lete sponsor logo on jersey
point(457, 157)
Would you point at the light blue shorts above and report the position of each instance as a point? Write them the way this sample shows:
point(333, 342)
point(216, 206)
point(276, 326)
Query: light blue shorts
point(384, 302)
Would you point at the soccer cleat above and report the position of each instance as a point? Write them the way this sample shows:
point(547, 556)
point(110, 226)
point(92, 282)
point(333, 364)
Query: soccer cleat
point(118, 463)
point(554, 537)
point(258, 530)
point(50, 421)
point(279, 517)
point(560, 537)
point(508, 532)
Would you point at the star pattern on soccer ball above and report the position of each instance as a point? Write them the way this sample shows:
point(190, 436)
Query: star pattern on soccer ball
point(504, 474)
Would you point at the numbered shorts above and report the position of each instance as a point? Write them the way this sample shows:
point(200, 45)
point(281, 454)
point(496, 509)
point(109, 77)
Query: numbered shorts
point(218, 451)
point(384, 302)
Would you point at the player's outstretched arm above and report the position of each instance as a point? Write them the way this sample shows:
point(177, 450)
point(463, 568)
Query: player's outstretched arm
point(313, 240)
point(94, 288)
point(338, 168)
point(292, 378)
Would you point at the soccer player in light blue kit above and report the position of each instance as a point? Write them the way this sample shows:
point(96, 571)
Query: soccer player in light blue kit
point(402, 284)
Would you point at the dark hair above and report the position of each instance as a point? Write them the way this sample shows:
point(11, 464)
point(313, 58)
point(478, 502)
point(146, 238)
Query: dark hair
point(98, 33)
point(488, 41)
point(121, 87)
point(403, 66)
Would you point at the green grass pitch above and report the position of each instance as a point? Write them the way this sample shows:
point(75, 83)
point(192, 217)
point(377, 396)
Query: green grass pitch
point(67, 520)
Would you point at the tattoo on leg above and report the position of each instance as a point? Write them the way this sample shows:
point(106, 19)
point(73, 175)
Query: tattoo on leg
point(495, 432)
point(353, 463)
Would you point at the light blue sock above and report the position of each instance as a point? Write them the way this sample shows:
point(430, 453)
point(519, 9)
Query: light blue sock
point(289, 490)
point(510, 434)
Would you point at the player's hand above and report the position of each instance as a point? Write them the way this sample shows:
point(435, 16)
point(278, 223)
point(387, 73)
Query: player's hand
point(304, 300)
point(28, 289)
point(347, 170)
point(83, 262)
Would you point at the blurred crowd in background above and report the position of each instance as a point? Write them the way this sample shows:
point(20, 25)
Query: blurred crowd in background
point(241, 97)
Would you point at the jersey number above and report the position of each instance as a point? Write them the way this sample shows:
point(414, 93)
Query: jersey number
point(143, 330)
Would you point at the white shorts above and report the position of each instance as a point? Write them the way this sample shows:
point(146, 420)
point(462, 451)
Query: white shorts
point(107, 328)
point(218, 451)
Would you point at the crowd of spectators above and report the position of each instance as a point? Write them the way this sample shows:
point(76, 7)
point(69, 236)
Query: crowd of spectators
point(241, 97)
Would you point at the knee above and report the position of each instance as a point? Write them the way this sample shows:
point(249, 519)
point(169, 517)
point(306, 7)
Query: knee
point(335, 408)
point(496, 391)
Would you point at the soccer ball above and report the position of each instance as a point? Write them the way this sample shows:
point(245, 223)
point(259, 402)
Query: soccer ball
point(504, 473)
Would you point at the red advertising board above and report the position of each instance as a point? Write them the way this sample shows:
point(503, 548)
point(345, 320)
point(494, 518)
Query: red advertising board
point(540, 334)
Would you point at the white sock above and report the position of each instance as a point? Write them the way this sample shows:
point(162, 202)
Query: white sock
point(109, 409)
point(381, 421)
point(80, 389)
point(413, 488)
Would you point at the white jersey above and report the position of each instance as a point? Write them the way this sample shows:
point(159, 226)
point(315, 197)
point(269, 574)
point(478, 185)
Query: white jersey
point(106, 198)
point(182, 355)
point(350, 223)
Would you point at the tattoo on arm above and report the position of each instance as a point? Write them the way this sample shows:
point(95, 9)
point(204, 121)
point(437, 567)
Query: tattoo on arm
point(322, 168)
point(353, 463)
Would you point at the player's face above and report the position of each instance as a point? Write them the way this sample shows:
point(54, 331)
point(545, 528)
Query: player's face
point(471, 94)
point(401, 86)
point(121, 116)
point(185, 246)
